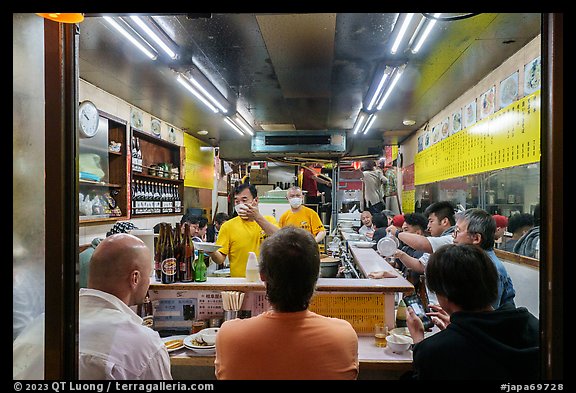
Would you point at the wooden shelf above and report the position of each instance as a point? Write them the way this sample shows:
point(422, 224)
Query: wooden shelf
point(138, 174)
point(99, 184)
point(99, 219)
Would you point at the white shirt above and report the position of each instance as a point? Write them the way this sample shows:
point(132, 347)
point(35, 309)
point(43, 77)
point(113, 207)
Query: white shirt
point(438, 241)
point(113, 343)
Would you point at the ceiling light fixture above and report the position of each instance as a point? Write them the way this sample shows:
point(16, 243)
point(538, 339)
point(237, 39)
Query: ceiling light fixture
point(409, 122)
point(131, 36)
point(385, 75)
point(184, 81)
point(429, 25)
point(359, 122)
point(233, 125)
point(401, 32)
point(202, 132)
point(206, 94)
point(155, 37)
point(369, 123)
point(240, 122)
point(397, 74)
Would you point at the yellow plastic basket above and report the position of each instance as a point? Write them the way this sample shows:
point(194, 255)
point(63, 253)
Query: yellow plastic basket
point(361, 310)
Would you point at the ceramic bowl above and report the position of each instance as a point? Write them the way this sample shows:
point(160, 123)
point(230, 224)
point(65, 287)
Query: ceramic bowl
point(399, 343)
point(209, 335)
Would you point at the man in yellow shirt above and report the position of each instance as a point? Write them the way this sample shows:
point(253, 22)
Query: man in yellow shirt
point(243, 233)
point(302, 216)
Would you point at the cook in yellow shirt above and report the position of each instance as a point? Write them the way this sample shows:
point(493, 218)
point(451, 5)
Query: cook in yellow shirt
point(302, 216)
point(244, 233)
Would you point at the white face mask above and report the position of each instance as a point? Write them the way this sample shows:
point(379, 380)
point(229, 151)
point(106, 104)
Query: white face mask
point(295, 202)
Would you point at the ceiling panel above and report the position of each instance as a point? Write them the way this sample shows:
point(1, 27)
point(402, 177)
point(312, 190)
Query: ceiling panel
point(307, 70)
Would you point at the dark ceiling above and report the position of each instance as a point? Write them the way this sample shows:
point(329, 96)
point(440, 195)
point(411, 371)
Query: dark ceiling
point(300, 71)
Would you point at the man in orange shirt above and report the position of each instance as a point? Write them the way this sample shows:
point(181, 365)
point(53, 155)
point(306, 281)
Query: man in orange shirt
point(289, 341)
point(302, 216)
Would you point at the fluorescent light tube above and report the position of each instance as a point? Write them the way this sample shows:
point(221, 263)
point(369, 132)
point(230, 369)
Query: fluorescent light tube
point(185, 82)
point(390, 88)
point(154, 37)
point(131, 38)
point(401, 33)
point(369, 123)
point(424, 35)
point(206, 94)
point(359, 120)
point(234, 126)
point(243, 124)
point(378, 89)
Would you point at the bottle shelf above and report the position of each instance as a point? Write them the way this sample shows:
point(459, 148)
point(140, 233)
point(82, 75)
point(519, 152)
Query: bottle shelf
point(166, 179)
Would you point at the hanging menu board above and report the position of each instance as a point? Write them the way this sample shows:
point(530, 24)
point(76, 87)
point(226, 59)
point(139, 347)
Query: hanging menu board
point(507, 138)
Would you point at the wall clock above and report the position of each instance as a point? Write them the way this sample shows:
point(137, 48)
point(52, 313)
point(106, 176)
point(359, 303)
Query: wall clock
point(88, 119)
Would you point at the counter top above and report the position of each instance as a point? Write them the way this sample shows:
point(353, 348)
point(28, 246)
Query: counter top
point(368, 355)
point(324, 285)
point(368, 260)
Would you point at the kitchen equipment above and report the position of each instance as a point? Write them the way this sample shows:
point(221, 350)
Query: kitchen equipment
point(329, 267)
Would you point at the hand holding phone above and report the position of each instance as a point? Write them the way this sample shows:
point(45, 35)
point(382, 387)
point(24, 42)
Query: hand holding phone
point(418, 307)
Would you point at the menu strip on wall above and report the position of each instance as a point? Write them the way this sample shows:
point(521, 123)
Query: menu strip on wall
point(507, 138)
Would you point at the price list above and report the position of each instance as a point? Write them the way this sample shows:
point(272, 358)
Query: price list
point(507, 138)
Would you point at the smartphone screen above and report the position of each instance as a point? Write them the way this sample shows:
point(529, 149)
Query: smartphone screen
point(416, 304)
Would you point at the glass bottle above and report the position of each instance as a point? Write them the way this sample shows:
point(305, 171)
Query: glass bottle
point(178, 254)
point(168, 260)
point(200, 268)
point(186, 268)
point(158, 253)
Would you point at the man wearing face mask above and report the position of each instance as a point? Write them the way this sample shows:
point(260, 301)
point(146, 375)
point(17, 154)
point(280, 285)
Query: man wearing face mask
point(243, 233)
point(301, 216)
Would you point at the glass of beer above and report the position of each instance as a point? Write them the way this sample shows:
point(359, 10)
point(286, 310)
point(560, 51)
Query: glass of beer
point(380, 333)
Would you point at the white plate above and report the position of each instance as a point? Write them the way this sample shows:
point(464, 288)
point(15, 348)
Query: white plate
point(364, 244)
point(204, 246)
point(222, 272)
point(166, 339)
point(203, 349)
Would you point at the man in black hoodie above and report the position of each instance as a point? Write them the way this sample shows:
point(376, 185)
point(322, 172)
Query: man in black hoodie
point(477, 342)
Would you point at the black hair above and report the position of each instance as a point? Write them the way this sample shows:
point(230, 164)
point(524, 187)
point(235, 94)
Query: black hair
point(416, 220)
point(518, 221)
point(464, 274)
point(190, 218)
point(221, 217)
point(442, 210)
point(244, 186)
point(379, 220)
point(537, 215)
point(202, 222)
point(290, 265)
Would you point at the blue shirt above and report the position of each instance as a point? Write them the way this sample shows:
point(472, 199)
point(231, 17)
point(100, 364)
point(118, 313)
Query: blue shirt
point(506, 290)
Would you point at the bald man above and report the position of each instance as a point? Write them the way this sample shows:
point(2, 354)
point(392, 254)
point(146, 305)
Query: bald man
point(113, 343)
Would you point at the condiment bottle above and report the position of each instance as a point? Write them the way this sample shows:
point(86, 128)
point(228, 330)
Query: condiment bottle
point(401, 314)
point(252, 271)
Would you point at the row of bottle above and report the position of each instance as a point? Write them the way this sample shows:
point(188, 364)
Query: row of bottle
point(136, 155)
point(175, 258)
point(151, 197)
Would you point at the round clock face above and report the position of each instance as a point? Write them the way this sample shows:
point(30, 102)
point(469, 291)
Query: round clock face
point(88, 119)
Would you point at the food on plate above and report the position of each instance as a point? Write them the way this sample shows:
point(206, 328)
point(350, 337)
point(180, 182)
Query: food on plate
point(172, 344)
point(198, 342)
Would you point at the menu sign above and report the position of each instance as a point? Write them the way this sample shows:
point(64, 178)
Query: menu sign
point(507, 138)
